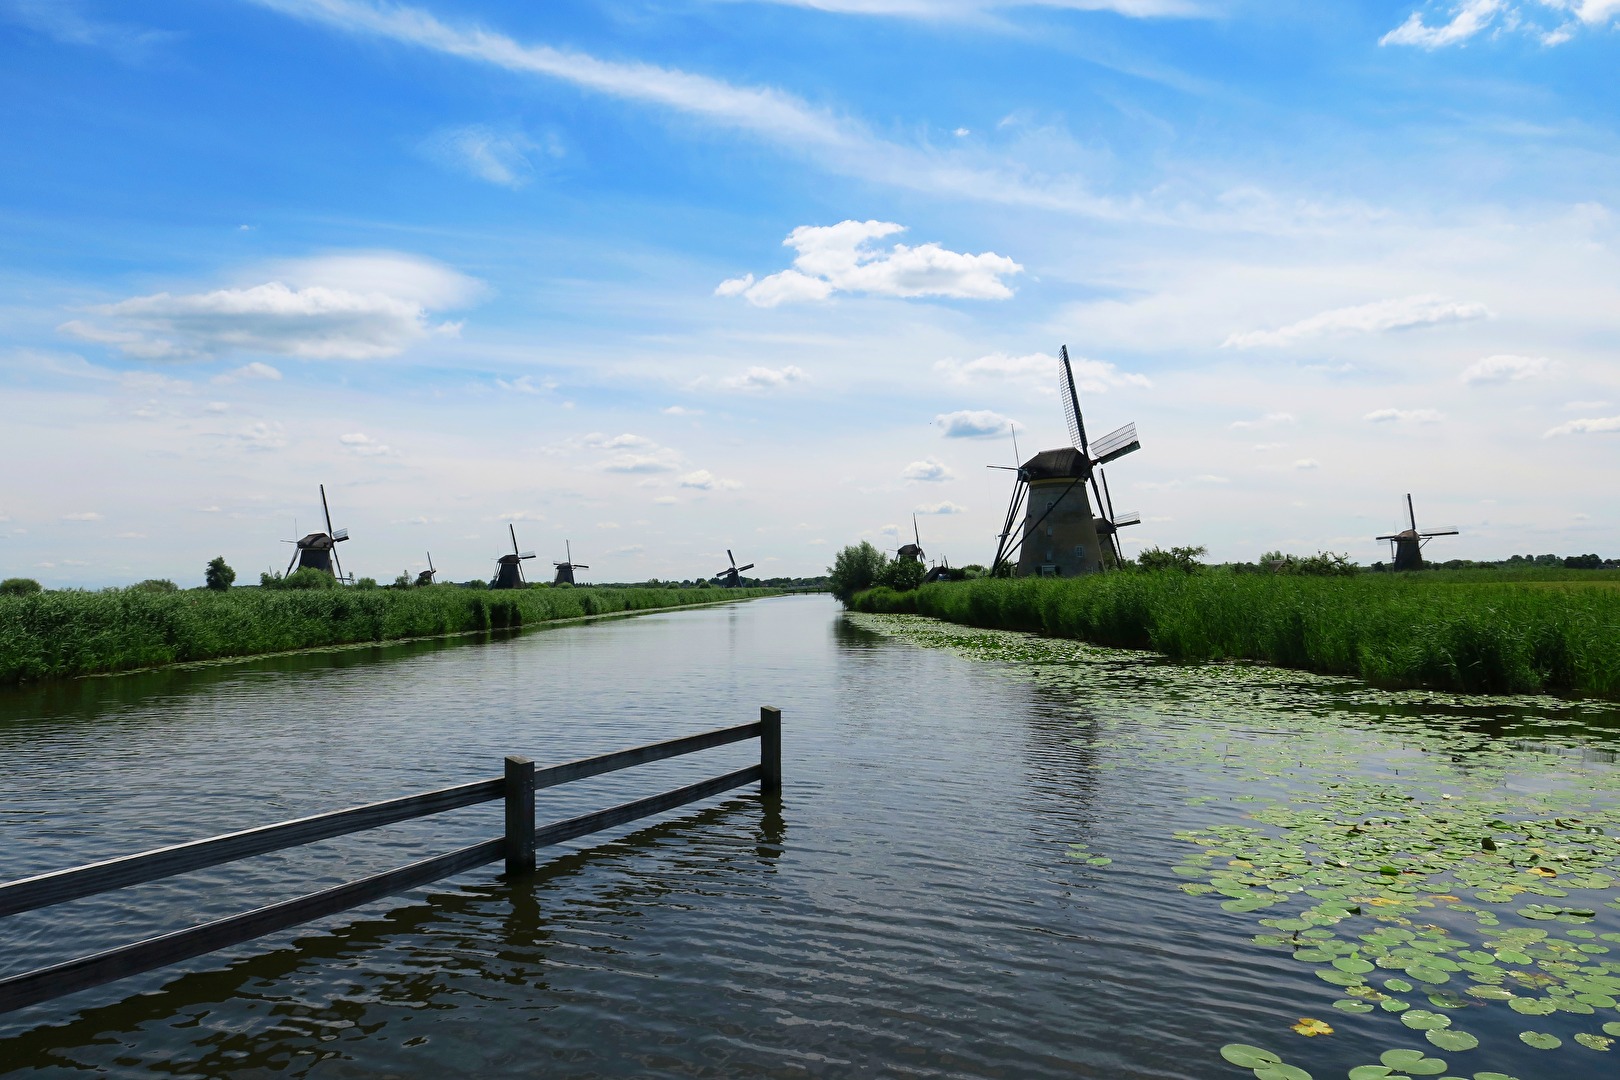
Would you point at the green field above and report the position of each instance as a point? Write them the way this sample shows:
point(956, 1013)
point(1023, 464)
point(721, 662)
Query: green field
point(1471, 631)
point(57, 634)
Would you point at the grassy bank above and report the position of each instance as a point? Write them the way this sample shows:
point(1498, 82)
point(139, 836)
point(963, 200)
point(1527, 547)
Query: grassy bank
point(1495, 634)
point(59, 634)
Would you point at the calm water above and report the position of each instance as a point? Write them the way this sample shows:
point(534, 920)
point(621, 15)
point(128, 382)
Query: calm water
point(910, 908)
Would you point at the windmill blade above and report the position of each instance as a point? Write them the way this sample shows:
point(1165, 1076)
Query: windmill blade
point(290, 563)
point(1014, 429)
point(568, 552)
point(526, 555)
point(732, 558)
point(327, 511)
point(1129, 517)
point(340, 536)
point(1411, 515)
point(580, 566)
point(1444, 530)
point(1115, 444)
point(1107, 495)
point(1071, 403)
point(511, 528)
point(337, 563)
point(740, 569)
point(431, 571)
point(915, 535)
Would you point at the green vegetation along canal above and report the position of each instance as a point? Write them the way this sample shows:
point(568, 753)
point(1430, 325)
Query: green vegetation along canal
point(996, 856)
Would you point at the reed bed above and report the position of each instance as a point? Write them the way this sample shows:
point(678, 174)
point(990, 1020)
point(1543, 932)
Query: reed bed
point(1442, 631)
point(59, 634)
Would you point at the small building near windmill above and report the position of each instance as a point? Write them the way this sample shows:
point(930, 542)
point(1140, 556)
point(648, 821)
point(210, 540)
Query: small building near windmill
point(1060, 535)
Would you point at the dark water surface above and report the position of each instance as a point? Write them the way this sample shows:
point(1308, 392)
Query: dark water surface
point(912, 907)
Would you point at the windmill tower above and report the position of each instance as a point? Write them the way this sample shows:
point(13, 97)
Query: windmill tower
point(426, 576)
point(1065, 532)
point(732, 578)
point(509, 568)
point(565, 570)
point(912, 552)
point(1406, 546)
point(318, 550)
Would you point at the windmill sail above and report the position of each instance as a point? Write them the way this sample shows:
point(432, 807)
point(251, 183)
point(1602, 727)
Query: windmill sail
point(1115, 444)
point(1071, 402)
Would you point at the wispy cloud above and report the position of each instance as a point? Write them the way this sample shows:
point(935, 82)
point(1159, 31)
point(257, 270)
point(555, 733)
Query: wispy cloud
point(1466, 20)
point(484, 152)
point(946, 507)
point(941, 10)
point(1598, 425)
point(255, 370)
point(1456, 22)
point(1384, 315)
point(1272, 419)
point(704, 480)
point(841, 259)
point(1500, 369)
point(1039, 370)
point(758, 379)
point(929, 470)
point(64, 21)
point(1405, 416)
point(364, 445)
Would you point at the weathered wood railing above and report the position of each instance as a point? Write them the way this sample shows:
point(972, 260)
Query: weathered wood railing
point(517, 847)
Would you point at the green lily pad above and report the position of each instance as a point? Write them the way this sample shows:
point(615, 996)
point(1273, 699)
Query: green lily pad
point(1424, 1020)
point(1454, 1041)
point(1540, 1040)
point(1594, 1042)
point(1399, 986)
point(1532, 1006)
point(1248, 1057)
point(1351, 1005)
point(1612, 1028)
point(1414, 1062)
point(1281, 1071)
point(1490, 993)
point(1370, 1072)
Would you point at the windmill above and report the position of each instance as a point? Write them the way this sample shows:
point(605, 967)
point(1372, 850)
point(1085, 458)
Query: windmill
point(426, 576)
point(732, 578)
point(565, 570)
point(912, 552)
point(318, 550)
point(1406, 546)
point(509, 568)
point(1061, 534)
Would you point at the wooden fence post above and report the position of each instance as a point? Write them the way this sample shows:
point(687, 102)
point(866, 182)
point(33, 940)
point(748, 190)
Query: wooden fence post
point(519, 815)
point(770, 750)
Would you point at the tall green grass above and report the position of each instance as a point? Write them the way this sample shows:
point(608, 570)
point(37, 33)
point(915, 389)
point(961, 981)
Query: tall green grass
point(58, 634)
point(1396, 630)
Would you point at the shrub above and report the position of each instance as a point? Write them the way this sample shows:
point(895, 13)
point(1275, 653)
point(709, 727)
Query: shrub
point(155, 585)
point(903, 575)
point(19, 586)
point(857, 567)
point(307, 577)
point(1184, 559)
point(218, 576)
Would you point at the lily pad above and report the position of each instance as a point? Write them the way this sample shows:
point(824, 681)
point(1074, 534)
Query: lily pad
point(1413, 1062)
point(1532, 1006)
point(1594, 1042)
point(1281, 1071)
point(1424, 1020)
point(1453, 1041)
point(1540, 1040)
point(1248, 1057)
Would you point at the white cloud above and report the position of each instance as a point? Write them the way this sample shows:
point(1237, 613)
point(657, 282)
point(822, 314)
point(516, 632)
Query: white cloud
point(1585, 406)
point(489, 153)
point(1467, 19)
point(682, 410)
point(704, 480)
point(929, 470)
point(519, 515)
point(130, 536)
point(1268, 447)
point(976, 424)
point(525, 384)
point(597, 441)
point(1269, 420)
point(1405, 416)
point(1039, 370)
point(1307, 463)
point(255, 370)
point(1499, 369)
point(263, 436)
point(839, 258)
point(956, 9)
point(946, 507)
point(342, 307)
point(87, 515)
point(763, 378)
point(1384, 315)
point(628, 549)
point(1585, 426)
point(64, 21)
point(666, 500)
point(607, 524)
point(660, 460)
point(364, 445)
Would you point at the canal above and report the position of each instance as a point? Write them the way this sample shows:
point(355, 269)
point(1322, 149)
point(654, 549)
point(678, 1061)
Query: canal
point(994, 857)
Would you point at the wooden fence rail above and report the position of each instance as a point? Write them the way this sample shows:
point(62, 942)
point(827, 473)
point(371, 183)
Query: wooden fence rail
point(517, 847)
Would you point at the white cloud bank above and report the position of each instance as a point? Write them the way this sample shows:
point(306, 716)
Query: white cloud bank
point(1599, 425)
point(929, 470)
point(704, 480)
point(1454, 23)
point(839, 258)
point(364, 306)
point(976, 424)
point(1381, 316)
point(1039, 370)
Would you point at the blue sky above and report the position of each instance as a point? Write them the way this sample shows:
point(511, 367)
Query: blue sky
point(668, 278)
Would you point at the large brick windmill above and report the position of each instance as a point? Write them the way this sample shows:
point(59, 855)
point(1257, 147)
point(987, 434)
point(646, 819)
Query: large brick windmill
point(318, 550)
point(1064, 532)
point(1406, 546)
point(509, 568)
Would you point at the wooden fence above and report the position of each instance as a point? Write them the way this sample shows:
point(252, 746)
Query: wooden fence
point(517, 847)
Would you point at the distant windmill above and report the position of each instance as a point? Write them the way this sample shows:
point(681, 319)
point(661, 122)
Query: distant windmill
point(426, 576)
point(565, 570)
point(318, 550)
point(912, 552)
point(509, 568)
point(732, 578)
point(1061, 534)
point(1406, 546)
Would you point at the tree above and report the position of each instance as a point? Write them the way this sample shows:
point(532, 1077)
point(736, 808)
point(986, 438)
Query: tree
point(218, 576)
point(1184, 559)
point(903, 575)
point(155, 585)
point(855, 568)
point(18, 586)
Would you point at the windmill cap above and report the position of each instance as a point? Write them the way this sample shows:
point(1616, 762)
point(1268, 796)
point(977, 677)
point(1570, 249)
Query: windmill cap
point(1065, 464)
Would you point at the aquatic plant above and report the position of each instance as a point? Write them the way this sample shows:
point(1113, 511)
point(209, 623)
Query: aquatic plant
point(1447, 631)
point(55, 634)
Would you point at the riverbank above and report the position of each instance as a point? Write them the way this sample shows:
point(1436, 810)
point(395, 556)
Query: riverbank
point(1442, 631)
point(67, 634)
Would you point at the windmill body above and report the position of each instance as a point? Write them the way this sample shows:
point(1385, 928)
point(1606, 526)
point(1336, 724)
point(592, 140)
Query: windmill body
point(1060, 522)
point(731, 577)
point(509, 568)
point(1406, 546)
point(318, 550)
point(565, 570)
point(426, 576)
point(912, 552)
